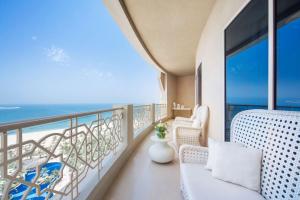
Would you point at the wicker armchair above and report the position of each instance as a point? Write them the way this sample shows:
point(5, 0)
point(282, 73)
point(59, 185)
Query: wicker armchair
point(191, 132)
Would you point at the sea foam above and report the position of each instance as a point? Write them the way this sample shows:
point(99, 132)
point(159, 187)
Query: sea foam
point(9, 107)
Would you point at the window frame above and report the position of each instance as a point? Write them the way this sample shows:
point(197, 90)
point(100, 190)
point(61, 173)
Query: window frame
point(272, 65)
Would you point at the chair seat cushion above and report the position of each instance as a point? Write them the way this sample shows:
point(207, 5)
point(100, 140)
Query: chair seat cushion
point(183, 119)
point(199, 184)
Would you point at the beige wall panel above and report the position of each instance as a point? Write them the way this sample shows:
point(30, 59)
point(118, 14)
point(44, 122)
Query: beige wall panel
point(211, 53)
point(185, 91)
point(171, 92)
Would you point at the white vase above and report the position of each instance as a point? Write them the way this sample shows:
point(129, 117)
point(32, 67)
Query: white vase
point(161, 151)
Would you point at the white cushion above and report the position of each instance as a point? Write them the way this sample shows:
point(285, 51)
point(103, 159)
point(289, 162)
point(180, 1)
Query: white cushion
point(236, 164)
point(200, 185)
point(202, 113)
point(199, 118)
point(183, 123)
point(196, 123)
point(211, 149)
point(212, 152)
point(182, 119)
point(194, 115)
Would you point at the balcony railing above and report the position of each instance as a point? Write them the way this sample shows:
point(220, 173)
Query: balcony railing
point(142, 115)
point(160, 111)
point(58, 162)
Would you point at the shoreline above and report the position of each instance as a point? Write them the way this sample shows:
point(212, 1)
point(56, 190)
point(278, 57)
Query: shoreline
point(35, 135)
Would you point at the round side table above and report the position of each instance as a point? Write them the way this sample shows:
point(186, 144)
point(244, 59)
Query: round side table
point(161, 151)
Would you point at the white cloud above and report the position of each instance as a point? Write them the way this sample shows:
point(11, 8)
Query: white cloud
point(34, 38)
point(109, 74)
point(95, 73)
point(100, 74)
point(293, 101)
point(57, 54)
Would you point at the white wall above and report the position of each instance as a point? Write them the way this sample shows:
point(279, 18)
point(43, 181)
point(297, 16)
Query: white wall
point(211, 53)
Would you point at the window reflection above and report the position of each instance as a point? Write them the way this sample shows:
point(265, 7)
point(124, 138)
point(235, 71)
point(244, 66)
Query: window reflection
point(246, 51)
point(288, 55)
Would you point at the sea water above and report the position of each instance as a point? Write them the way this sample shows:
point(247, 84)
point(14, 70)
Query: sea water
point(15, 113)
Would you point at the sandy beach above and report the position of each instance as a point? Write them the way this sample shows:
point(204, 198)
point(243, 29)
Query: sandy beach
point(37, 135)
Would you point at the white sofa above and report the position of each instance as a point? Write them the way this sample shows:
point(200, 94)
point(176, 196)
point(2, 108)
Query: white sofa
point(197, 182)
point(276, 133)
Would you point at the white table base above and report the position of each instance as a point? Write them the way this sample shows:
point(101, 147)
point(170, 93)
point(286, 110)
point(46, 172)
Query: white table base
point(161, 151)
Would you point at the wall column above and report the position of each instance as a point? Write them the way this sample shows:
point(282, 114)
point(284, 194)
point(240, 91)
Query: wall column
point(127, 124)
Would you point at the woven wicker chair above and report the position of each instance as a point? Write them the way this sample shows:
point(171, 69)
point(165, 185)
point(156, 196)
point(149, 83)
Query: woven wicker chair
point(277, 133)
point(187, 133)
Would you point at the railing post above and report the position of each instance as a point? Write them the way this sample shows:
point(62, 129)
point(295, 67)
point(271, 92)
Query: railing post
point(153, 113)
point(127, 124)
point(4, 154)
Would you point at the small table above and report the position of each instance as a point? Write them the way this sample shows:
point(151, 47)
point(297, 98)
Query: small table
point(182, 112)
point(161, 151)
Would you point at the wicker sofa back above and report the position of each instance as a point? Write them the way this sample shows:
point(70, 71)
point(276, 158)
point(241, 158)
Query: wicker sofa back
point(277, 133)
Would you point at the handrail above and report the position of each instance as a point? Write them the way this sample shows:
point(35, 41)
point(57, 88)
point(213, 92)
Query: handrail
point(139, 106)
point(246, 105)
point(4, 127)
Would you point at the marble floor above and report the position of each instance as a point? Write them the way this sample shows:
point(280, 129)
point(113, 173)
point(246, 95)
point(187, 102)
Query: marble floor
point(142, 179)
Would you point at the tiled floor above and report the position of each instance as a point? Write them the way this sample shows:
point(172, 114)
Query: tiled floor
point(142, 179)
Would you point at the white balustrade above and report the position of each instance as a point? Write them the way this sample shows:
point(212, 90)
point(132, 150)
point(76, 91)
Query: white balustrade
point(142, 118)
point(160, 112)
point(56, 162)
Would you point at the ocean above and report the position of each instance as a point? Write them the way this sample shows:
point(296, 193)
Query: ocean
point(14, 113)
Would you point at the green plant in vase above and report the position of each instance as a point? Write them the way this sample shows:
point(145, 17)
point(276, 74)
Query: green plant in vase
point(161, 130)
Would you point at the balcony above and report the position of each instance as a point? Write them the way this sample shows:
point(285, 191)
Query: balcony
point(238, 59)
point(83, 152)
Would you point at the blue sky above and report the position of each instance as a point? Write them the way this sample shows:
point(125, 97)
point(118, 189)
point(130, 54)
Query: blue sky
point(247, 70)
point(69, 51)
point(288, 61)
point(247, 75)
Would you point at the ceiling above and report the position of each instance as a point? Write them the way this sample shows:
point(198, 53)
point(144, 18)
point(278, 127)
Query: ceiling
point(164, 32)
point(168, 30)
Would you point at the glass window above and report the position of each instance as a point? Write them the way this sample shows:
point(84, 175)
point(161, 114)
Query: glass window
point(288, 55)
point(246, 61)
